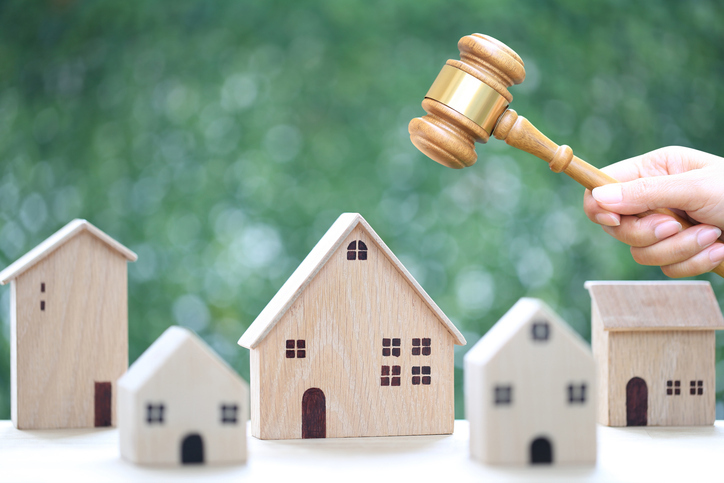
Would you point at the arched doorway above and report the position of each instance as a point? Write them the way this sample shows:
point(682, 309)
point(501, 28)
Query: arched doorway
point(314, 414)
point(192, 449)
point(637, 402)
point(541, 451)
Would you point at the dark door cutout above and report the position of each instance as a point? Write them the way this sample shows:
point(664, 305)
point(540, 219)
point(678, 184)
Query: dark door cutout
point(103, 404)
point(314, 414)
point(192, 449)
point(541, 451)
point(637, 402)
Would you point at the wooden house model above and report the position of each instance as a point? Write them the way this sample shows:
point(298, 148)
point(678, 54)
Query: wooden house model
point(351, 345)
point(68, 329)
point(181, 403)
point(654, 345)
point(530, 391)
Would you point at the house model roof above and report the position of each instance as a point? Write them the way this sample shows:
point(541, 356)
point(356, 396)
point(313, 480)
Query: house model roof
point(514, 320)
point(310, 266)
point(48, 246)
point(173, 339)
point(640, 306)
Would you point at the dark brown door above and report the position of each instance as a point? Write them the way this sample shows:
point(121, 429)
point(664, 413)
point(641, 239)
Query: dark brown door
point(541, 451)
point(637, 402)
point(314, 414)
point(103, 404)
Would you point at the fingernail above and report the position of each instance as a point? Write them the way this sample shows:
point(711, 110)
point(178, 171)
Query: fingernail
point(708, 236)
point(607, 219)
point(666, 229)
point(716, 254)
point(610, 193)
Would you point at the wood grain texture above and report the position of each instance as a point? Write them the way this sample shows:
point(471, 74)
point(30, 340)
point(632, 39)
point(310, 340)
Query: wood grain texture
point(343, 313)
point(187, 384)
point(639, 330)
point(538, 373)
point(78, 338)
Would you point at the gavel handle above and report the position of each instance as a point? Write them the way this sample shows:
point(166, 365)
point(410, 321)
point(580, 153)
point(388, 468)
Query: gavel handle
point(518, 132)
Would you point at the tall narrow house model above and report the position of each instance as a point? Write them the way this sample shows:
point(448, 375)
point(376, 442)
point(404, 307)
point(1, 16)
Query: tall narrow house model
point(68, 329)
point(654, 345)
point(530, 391)
point(351, 345)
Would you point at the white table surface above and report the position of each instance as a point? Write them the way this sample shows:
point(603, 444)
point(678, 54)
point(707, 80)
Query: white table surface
point(624, 454)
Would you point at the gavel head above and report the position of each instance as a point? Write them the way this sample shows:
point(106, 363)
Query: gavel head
point(466, 100)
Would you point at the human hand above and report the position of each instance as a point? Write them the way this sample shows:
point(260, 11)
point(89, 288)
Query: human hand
point(684, 180)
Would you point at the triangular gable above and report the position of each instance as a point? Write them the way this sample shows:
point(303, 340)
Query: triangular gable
point(664, 305)
point(313, 263)
point(514, 320)
point(173, 339)
point(48, 246)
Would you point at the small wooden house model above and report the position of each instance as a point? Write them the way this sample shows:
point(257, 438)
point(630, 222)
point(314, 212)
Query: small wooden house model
point(351, 345)
point(181, 403)
point(654, 345)
point(68, 329)
point(530, 391)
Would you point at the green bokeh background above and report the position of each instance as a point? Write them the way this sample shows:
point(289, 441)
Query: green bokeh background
point(220, 140)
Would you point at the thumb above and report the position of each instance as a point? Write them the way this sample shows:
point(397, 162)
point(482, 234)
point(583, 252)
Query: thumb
point(676, 191)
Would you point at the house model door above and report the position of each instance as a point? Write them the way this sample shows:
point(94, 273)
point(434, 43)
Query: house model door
point(637, 402)
point(314, 414)
point(103, 399)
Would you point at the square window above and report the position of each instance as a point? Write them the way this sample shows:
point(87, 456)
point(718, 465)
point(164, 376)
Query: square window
point(415, 370)
point(669, 383)
point(362, 254)
point(426, 380)
point(415, 341)
point(426, 342)
point(415, 380)
point(577, 393)
point(154, 413)
point(669, 392)
point(426, 351)
point(415, 351)
point(385, 370)
point(693, 383)
point(700, 391)
point(229, 413)
point(385, 351)
point(396, 381)
point(385, 381)
point(290, 354)
point(503, 395)
point(396, 342)
point(301, 344)
point(396, 370)
point(396, 351)
point(301, 354)
point(351, 255)
point(677, 383)
point(677, 391)
point(290, 343)
point(540, 331)
point(426, 370)
point(386, 342)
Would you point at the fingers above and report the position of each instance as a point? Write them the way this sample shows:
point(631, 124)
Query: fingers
point(677, 248)
point(704, 261)
point(678, 191)
point(646, 231)
point(597, 214)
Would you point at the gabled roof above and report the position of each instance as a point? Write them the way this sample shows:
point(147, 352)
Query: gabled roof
point(173, 339)
point(665, 305)
point(310, 266)
point(45, 248)
point(514, 320)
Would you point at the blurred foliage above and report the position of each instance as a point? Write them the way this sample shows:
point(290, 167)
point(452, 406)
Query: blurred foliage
point(220, 140)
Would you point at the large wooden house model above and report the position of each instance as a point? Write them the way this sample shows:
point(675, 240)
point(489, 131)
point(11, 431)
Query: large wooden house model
point(68, 329)
point(654, 345)
point(180, 403)
point(351, 345)
point(530, 391)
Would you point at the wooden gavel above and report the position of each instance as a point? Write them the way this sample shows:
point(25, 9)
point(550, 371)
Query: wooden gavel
point(469, 101)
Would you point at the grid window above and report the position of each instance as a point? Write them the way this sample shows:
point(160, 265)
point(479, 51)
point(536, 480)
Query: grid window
point(300, 345)
point(540, 331)
point(154, 413)
point(426, 378)
point(503, 395)
point(673, 388)
point(229, 413)
point(577, 393)
point(391, 347)
point(421, 346)
point(696, 388)
point(42, 287)
point(357, 250)
point(391, 376)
